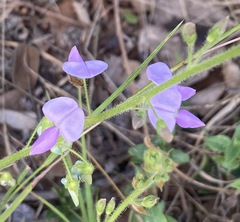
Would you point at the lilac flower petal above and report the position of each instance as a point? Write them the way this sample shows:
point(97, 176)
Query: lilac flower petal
point(167, 117)
point(185, 119)
point(72, 126)
point(96, 67)
point(159, 73)
point(45, 141)
point(74, 55)
point(77, 69)
point(186, 92)
point(57, 109)
point(169, 99)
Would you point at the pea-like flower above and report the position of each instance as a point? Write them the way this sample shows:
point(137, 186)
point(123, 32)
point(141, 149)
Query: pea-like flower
point(166, 105)
point(76, 66)
point(68, 121)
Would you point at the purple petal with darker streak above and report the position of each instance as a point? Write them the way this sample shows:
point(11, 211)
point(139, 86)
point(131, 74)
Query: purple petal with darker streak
point(57, 109)
point(72, 126)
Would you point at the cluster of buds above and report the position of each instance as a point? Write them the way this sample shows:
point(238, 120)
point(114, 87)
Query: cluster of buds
point(102, 206)
point(80, 172)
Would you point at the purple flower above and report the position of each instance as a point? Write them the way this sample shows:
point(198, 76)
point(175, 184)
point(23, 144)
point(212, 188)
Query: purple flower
point(166, 105)
point(79, 68)
point(68, 120)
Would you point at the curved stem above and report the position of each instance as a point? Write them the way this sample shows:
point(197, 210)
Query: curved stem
point(133, 101)
point(130, 199)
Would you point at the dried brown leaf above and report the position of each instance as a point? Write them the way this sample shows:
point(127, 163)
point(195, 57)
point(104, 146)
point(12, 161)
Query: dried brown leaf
point(26, 62)
point(23, 121)
point(82, 14)
point(11, 99)
point(231, 74)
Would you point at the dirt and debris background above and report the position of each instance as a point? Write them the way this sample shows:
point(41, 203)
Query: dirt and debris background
point(36, 37)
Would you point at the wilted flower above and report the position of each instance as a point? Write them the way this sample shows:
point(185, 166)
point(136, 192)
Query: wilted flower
point(166, 104)
point(68, 120)
point(79, 68)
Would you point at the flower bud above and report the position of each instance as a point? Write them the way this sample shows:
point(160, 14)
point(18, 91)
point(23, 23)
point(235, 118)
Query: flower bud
point(161, 179)
point(149, 201)
point(138, 181)
point(189, 33)
point(152, 160)
point(82, 168)
point(138, 119)
point(100, 206)
point(6, 179)
point(72, 184)
point(217, 30)
point(110, 206)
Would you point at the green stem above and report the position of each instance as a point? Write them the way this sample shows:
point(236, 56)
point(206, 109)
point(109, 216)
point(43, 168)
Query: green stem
point(82, 206)
point(47, 162)
point(77, 154)
point(9, 160)
point(121, 88)
point(84, 154)
point(66, 166)
point(52, 207)
point(190, 54)
point(86, 96)
point(130, 199)
point(87, 186)
point(7, 195)
point(133, 101)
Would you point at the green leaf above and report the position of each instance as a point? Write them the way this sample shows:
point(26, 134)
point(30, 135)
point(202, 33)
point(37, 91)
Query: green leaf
point(236, 184)
point(155, 214)
point(231, 165)
point(179, 156)
point(136, 153)
point(236, 135)
point(217, 143)
point(131, 18)
point(232, 152)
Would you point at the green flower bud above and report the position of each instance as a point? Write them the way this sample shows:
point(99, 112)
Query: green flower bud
point(149, 201)
point(138, 181)
point(161, 179)
point(152, 160)
point(138, 119)
point(6, 179)
point(100, 206)
point(72, 184)
point(189, 33)
point(217, 30)
point(110, 206)
point(82, 168)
